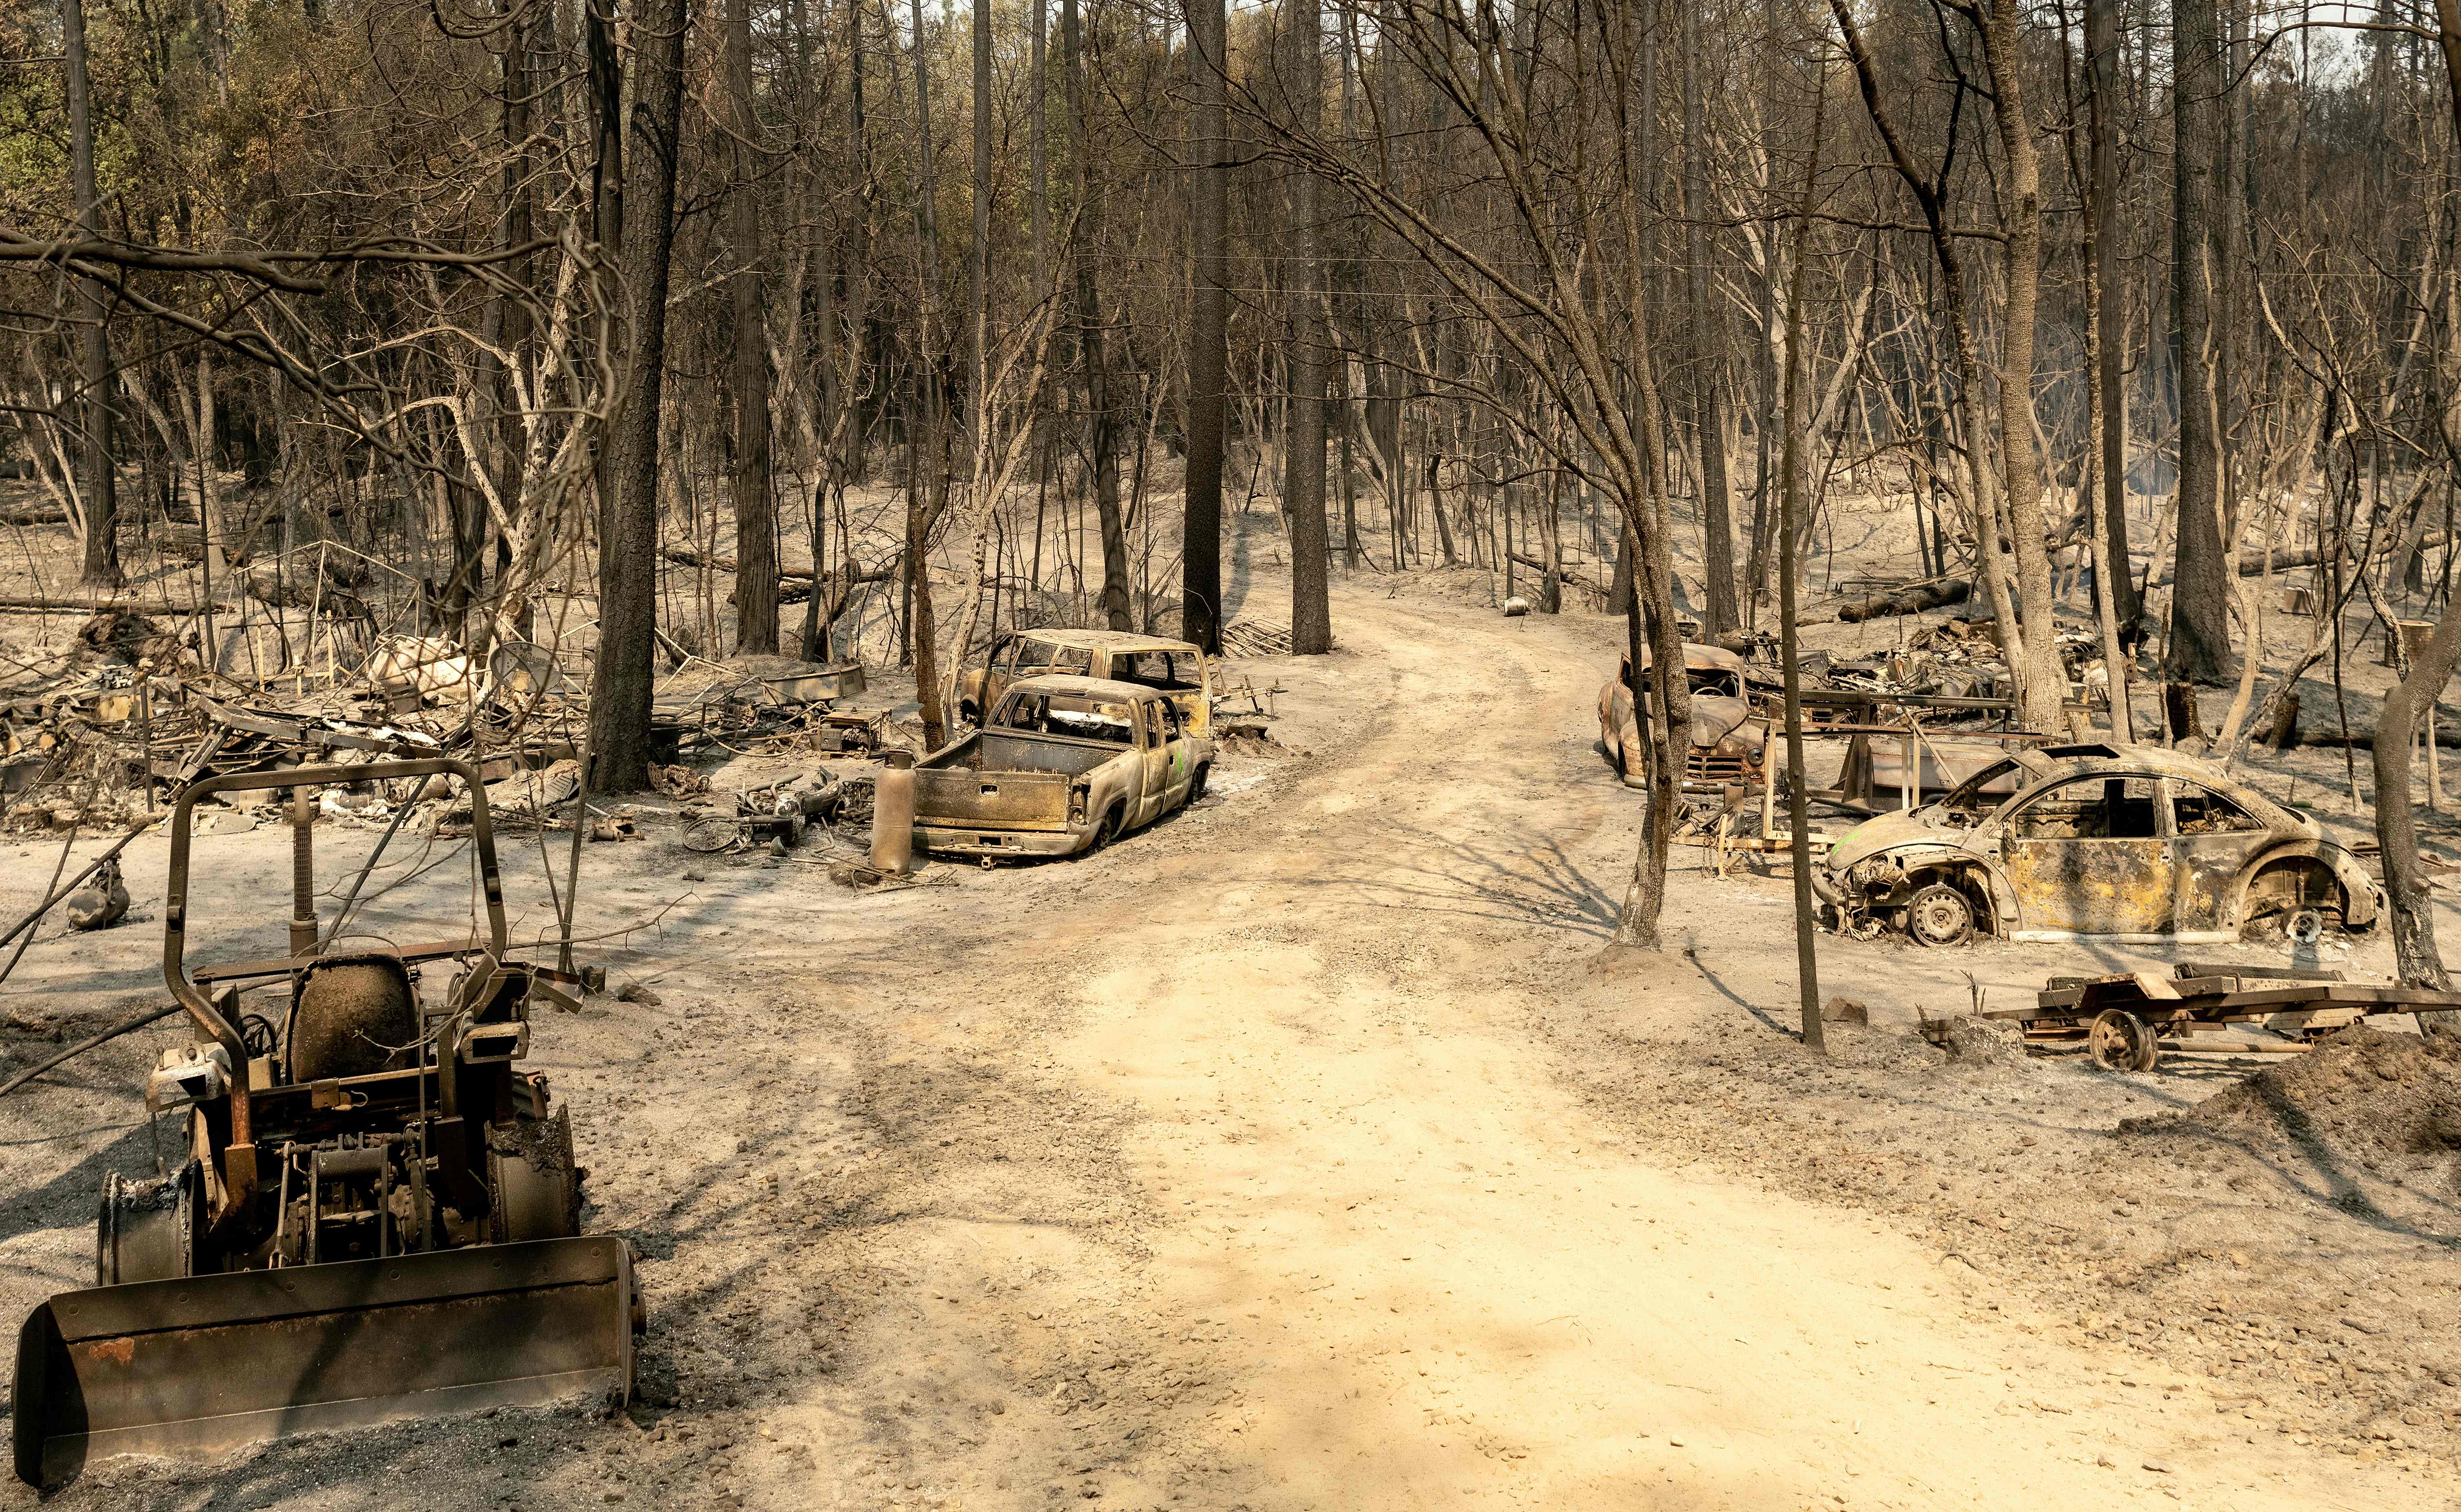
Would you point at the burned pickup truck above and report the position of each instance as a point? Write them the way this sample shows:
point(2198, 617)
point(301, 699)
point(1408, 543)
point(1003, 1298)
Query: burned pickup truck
point(1727, 739)
point(1063, 765)
point(2125, 842)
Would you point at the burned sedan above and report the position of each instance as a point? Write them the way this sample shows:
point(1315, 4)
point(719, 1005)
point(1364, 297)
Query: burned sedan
point(1727, 739)
point(2125, 842)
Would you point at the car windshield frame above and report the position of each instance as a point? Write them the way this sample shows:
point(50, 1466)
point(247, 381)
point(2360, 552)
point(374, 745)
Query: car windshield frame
point(1959, 806)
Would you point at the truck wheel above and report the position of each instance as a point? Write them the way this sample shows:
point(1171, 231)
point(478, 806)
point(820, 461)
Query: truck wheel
point(1113, 823)
point(1196, 784)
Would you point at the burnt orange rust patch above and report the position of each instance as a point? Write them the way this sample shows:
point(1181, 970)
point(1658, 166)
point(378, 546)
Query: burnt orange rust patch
point(118, 1352)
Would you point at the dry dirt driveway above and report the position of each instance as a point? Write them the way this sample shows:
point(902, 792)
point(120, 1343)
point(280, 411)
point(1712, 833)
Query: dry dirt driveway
point(1231, 1169)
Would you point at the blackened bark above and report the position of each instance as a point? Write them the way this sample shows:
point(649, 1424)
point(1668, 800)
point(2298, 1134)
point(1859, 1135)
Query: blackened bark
point(97, 479)
point(1303, 491)
point(1720, 614)
point(2199, 648)
point(1102, 430)
point(620, 683)
point(2101, 40)
point(756, 502)
point(1200, 614)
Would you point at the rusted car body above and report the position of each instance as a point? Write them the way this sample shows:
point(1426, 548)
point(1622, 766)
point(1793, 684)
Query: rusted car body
point(2123, 842)
point(1176, 668)
point(1063, 765)
point(1727, 739)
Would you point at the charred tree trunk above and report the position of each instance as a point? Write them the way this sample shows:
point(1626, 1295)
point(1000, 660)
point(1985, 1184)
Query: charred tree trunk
point(97, 478)
point(2103, 44)
point(1207, 358)
point(755, 504)
point(1102, 429)
point(1303, 494)
point(2405, 891)
point(2199, 648)
point(1720, 614)
point(620, 683)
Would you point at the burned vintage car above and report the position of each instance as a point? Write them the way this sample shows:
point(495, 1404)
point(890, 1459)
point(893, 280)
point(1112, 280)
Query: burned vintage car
point(1726, 739)
point(2121, 841)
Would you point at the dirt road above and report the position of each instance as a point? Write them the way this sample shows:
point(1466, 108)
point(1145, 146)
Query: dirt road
point(1232, 1169)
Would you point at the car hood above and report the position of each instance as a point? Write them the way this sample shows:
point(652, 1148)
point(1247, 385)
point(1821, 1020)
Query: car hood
point(1887, 831)
point(1714, 717)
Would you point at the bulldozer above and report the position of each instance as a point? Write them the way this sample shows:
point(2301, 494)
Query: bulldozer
point(377, 1216)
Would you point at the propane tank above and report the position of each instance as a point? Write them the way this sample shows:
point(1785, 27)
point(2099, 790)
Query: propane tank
point(892, 815)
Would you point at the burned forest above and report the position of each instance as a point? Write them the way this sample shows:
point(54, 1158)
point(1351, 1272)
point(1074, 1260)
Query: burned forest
point(1319, 753)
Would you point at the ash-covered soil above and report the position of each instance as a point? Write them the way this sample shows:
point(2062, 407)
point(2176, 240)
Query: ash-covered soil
point(1290, 1155)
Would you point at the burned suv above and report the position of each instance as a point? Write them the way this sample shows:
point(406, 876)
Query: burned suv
point(2120, 842)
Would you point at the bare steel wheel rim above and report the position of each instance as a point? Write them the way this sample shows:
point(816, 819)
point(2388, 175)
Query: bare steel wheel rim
point(2122, 1041)
point(1939, 915)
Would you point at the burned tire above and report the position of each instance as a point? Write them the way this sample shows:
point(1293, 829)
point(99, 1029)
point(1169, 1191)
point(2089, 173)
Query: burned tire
point(535, 1189)
point(1196, 785)
point(1939, 916)
point(1115, 823)
point(147, 1230)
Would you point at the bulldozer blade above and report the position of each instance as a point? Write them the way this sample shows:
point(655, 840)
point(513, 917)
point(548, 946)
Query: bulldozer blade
point(196, 1368)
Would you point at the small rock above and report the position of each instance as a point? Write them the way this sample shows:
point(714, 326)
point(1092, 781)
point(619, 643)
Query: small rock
point(638, 992)
point(1845, 1010)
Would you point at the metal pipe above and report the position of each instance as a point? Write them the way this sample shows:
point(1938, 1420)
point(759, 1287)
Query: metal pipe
point(302, 873)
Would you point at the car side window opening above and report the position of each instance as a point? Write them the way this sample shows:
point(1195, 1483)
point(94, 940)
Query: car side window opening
point(2092, 808)
point(1717, 682)
point(1153, 724)
point(1970, 802)
point(1170, 712)
point(2201, 810)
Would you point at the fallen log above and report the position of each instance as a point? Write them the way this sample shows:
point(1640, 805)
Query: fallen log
point(684, 556)
point(33, 515)
point(96, 606)
point(1912, 599)
point(2251, 563)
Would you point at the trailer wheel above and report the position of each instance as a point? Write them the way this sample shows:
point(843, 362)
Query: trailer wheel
point(2122, 1041)
point(1939, 916)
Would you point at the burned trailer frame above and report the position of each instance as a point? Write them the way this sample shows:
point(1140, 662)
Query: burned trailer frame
point(2126, 1020)
point(2123, 843)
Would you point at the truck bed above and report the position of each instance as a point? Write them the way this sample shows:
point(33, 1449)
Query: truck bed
point(1012, 750)
point(1004, 779)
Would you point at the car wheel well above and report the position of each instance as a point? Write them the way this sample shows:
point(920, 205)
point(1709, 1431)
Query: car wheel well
point(2290, 884)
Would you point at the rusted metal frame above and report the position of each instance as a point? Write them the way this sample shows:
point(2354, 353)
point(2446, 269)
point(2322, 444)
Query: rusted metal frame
point(238, 1175)
point(285, 965)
